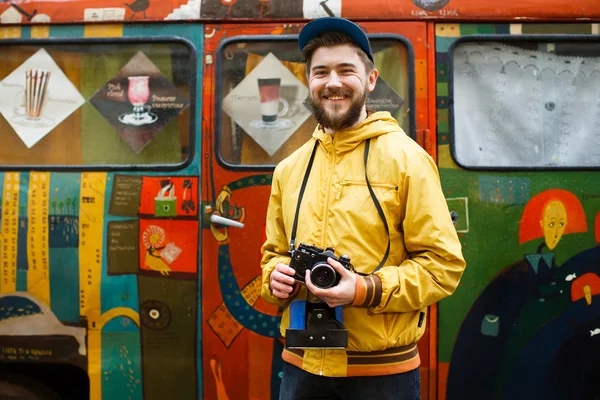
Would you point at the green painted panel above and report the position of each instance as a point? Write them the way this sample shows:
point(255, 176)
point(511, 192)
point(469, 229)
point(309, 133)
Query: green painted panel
point(169, 340)
point(442, 89)
point(572, 29)
point(492, 240)
point(473, 29)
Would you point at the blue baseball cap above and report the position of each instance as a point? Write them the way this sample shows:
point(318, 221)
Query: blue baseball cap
point(335, 24)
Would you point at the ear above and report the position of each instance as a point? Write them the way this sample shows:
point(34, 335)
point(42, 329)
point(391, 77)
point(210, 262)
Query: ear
point(372, 79)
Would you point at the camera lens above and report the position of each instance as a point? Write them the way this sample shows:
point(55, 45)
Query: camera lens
point(322, 275)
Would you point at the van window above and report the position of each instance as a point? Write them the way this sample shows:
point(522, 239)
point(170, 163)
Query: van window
point(95, 103)
point(263, 112)
point(526, 104)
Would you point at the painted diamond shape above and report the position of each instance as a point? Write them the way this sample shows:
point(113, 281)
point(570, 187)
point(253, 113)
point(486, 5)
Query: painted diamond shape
point(139, 101)
point(36, 97)
point(267, 104)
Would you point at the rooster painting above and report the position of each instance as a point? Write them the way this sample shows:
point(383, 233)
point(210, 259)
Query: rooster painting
point(138, 6)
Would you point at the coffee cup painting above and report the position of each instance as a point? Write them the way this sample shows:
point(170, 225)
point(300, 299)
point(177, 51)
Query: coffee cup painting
point(267, 104)
point(270, 102)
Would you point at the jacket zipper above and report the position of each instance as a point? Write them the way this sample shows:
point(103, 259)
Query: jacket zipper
point(361, 183)
point(325, 220)
point(326, 206)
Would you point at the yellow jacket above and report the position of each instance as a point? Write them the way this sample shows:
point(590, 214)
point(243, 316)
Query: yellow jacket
point(425, 262)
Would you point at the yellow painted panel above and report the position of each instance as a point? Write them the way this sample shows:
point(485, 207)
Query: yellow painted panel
point(95, 363)
point(445, 158)
point(91, 221)
point(103, 30)
point(10, 232)
point(91, 217)
point(447, 30)
point(40, 31)
point(10, 32)
point(38, 274)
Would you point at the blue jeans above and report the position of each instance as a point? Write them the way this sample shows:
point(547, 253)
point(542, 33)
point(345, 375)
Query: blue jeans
point(297, 384)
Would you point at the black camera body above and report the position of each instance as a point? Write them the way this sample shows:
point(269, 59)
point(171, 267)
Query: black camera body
point(314, 259)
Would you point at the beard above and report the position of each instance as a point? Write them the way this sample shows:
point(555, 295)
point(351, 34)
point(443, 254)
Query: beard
point(338, 121)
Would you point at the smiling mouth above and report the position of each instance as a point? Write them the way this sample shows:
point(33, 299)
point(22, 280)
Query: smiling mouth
point(335, 98)
point(336, 95)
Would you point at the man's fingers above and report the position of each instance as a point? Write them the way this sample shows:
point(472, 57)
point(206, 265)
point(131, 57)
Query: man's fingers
point(283, 278)
point(338, 267)
point(282, 287)
point(285, 269)
point(281, 295)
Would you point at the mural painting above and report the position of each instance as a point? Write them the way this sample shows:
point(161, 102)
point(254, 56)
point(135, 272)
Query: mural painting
point(240, 330)
point(101, 271)
point(525, 319)
point(532, 310)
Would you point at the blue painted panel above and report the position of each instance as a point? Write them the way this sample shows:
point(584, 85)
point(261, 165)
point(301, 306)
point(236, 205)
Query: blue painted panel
point(66, 31)
point(121, 360)
point(22, 262)
point(63, 245)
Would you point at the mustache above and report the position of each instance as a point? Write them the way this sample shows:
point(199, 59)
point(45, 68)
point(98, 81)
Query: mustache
point(336, 92)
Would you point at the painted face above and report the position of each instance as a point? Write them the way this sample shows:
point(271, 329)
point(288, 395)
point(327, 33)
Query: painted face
point(339, 85)
point(554, 222)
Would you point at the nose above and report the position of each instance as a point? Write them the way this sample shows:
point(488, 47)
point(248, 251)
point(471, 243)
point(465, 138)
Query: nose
point(334, 80)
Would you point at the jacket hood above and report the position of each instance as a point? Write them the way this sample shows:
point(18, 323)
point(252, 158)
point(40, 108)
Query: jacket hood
point(376, 124)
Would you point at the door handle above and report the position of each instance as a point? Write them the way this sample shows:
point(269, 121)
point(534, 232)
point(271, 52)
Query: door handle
point(218, 220)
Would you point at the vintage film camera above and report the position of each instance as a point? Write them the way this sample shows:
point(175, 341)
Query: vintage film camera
point(314, 259)
point(313, 324)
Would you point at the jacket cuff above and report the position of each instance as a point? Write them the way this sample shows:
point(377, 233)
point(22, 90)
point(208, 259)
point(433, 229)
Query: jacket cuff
point(368, 291)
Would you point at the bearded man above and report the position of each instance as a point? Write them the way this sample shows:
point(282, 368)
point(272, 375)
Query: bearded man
point(370, 192)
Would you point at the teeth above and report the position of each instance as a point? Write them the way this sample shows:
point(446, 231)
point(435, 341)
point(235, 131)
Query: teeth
point(336, 98)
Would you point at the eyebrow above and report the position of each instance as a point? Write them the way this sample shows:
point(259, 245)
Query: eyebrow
point(342, 65)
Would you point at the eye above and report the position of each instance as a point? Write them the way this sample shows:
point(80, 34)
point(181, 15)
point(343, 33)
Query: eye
point(347, 71)
point(561, 224)
point(551, 225)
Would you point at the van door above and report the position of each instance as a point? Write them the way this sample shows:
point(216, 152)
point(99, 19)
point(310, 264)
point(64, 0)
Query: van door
point(518, 144)
point(243, 66)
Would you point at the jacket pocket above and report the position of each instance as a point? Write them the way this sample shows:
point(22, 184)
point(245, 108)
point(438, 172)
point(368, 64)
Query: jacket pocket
point(347, 182)
point(405, 328)
point(386, 325)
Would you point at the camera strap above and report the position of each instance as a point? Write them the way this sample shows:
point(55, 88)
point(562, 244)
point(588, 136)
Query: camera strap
point(302, 188)
point(379, 210)
point(375, 201)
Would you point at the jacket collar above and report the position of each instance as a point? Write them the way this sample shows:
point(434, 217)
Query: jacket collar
point(340, 142)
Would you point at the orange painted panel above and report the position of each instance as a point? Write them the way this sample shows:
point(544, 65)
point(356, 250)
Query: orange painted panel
point(239, 361)
point(74, 11)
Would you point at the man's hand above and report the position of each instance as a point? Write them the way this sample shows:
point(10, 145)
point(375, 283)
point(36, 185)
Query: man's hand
point(282, 281)
point(339, 295)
